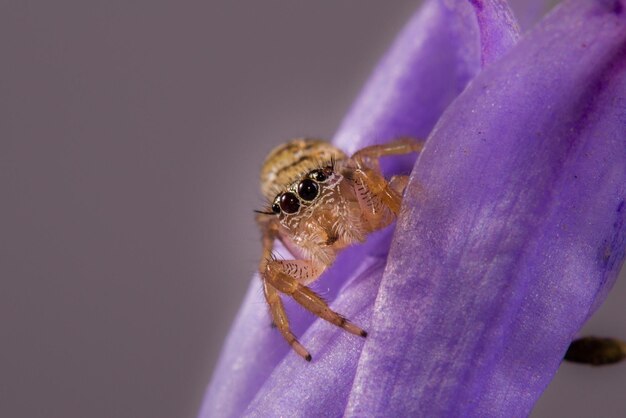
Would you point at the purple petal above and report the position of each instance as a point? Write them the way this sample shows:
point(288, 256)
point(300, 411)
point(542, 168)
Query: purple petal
point(514, 228)
point(431, 62)
point(529, 12)
point(495, 40)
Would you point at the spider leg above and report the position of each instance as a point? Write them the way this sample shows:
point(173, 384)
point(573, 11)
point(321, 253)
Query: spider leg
point(286, 283)
point(269, 230)
point(280, 320)
point(369, 156)
point(398, 183)
point(303, 271)
point(376, 196)
point(367, 173)
point(290, 277)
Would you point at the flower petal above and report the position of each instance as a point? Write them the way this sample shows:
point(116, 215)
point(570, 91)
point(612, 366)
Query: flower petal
point(514, 228)
point(431, 62)
point(321, 388)
point(529, 12)
point(499, 30)
point(440, 50)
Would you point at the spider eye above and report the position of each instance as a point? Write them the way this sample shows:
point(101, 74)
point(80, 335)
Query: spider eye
point(289, 203)
point(308, 189)
point(319, 175)
point(276, 208)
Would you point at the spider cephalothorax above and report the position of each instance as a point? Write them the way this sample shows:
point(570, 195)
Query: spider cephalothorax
point(321, 201)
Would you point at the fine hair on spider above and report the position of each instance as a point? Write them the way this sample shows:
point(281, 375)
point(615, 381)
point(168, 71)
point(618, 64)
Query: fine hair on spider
point(321, 201)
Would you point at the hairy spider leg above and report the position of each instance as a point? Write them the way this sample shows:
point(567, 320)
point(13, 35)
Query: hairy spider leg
point(269, 229)
point(290, 277)
point(367, 170)
point(280, 320)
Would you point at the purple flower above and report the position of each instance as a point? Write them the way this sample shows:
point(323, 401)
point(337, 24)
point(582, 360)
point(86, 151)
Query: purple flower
point(512, 231)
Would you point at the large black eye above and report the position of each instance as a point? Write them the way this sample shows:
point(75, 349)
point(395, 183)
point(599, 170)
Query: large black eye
point(318, 175)
point(289, 203)
point(307, 189)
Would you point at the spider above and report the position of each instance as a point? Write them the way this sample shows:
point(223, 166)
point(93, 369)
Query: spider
point(321, 202)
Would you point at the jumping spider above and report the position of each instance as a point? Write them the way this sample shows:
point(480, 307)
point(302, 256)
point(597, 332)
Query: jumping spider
point(321, 202)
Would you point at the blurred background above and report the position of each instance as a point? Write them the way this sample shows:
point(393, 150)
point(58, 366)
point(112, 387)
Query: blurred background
point(131, 136)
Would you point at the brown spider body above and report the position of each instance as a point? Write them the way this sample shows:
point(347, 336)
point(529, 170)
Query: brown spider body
point(321, 202)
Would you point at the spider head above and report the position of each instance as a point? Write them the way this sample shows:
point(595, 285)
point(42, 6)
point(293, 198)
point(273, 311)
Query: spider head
point(305, 193)
point(295, 160)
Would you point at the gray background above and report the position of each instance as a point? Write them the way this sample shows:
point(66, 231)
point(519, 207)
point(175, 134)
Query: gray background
point(131, 135)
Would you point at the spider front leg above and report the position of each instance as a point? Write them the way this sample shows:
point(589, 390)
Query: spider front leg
point(291, 277)
point(269, 231)
point(288, 276)
point(279, 318)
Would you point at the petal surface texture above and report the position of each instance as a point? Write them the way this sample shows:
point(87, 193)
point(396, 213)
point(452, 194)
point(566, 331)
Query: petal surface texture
point(513, 228)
